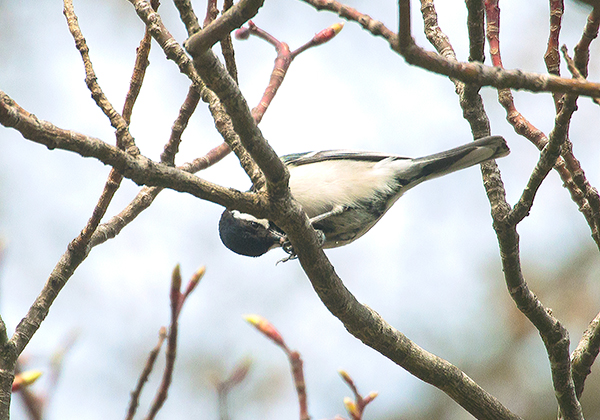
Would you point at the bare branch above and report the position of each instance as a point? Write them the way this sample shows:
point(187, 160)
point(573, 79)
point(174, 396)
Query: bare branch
point(187, 15)
point(233, 18)
point(116, 120)
point(475, 73)
point(585, 354)
point(140, 169)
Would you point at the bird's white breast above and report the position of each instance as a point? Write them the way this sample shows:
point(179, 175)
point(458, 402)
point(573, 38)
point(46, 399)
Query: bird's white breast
point(323, 185)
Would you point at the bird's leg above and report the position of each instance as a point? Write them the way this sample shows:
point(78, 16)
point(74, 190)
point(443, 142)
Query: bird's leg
point(287, 246)
point(333, 212)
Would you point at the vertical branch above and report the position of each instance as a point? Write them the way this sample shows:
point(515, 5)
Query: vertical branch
point(187, 15)
point(227, 47)
point(582, 49)
point(405, 39)
point(475, 25)
point(552, 57)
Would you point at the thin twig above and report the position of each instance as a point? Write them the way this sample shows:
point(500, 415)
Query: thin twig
point(225, 386)
point(585, 354)
point(177, 299)
point(524, 127)
point(185, 112)
point(294, 359)
point(135, 394)
point(283, 60)
point(357, 407)
point(227, 47)
point(124, 138)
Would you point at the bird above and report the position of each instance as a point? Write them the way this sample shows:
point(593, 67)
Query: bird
point(345, 193)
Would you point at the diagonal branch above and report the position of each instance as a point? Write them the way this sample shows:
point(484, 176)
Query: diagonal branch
point(139, 169)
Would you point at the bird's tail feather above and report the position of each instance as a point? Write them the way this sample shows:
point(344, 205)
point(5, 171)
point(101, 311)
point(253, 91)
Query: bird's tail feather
point(461, 157)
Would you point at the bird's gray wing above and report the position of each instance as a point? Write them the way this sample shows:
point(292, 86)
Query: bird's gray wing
point(297, 159)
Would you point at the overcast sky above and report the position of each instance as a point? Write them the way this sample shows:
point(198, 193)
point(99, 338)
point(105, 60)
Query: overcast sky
point(427, 267)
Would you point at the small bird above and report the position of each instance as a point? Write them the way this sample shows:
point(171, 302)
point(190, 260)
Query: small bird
point(344, 192)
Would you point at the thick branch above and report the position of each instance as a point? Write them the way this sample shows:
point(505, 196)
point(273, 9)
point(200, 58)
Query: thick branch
point(140, 169)
point(232, 19)
point(220, 82)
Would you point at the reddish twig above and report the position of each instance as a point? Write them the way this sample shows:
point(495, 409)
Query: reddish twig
point(265, 327)
point(283, 60)
point(582, 49)
point(211, 12)
point(524, 127)
point(225, 386)
point(177, 299)
point(357, 406)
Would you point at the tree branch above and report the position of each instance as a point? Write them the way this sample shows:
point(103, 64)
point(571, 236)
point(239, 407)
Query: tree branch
point(139, 169)
point(475, 73)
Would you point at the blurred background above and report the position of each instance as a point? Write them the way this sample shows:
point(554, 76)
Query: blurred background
point(430, 267)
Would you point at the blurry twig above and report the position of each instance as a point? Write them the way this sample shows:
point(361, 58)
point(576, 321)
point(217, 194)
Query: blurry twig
point(135, 395)
point(177, 299)
point(357, 406)
point(36, 402)
point(265, 327)
point(225, 386)
point(584, 356)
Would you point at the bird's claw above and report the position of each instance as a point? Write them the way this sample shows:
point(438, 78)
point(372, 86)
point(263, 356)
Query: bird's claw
point(286, 245)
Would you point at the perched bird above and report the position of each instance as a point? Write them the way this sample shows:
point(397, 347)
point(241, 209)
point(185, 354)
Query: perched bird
point(344, 193)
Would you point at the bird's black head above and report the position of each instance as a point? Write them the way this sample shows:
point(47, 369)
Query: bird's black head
point(246, 235)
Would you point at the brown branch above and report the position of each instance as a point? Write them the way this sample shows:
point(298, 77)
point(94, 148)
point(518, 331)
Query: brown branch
point(585, 354)
point(552, 57)
point(187, 15)
point(582, 49)
point(140, 169)
point(227, 47)
point(185, 112)
point(233, 18)
point(475, 73)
